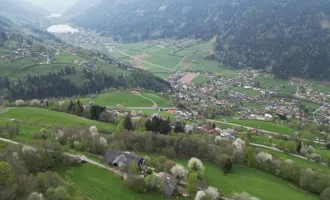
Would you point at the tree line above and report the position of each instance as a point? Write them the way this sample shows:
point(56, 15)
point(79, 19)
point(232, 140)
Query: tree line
point(57, 85)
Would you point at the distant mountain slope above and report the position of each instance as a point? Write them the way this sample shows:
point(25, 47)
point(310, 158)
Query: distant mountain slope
point(20, 11)
point(289, 37)
point(79, 7)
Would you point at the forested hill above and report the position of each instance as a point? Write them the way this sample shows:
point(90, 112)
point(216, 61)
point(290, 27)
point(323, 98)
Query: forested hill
point(23, 12)
point(290, 37)
point(79, 7)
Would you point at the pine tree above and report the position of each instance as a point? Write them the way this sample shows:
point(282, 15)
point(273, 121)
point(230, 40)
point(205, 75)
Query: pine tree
point(128, 123)
point(299, 146)
point(228, 166)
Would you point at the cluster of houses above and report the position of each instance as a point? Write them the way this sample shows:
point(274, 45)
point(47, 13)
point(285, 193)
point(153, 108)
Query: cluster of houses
point(118, 159)
point(220, 92)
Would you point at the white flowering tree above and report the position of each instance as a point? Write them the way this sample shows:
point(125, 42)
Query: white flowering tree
point(19, 103)
point(103, 142)
point(244, 196)
point(310, 149)
point(59, 134)
point(264, 157)
point(195, 164)
point(35, 196)
point(35, 102)
point(213, 193)
point(93, 131)
point(179, 172)
point(29, 150)
point(200, 195)
point(239, 144)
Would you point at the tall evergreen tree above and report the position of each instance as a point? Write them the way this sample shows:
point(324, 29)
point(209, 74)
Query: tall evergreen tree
point(128, 123)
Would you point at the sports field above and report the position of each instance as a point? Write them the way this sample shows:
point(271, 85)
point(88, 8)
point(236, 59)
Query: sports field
point(247, 92)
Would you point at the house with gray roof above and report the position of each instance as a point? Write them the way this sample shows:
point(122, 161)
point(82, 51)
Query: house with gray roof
point(119, 159)
point(169, 184)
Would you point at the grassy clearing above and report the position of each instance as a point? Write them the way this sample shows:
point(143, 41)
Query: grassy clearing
point(320, 87)
point(42, 117)
point(251, 93)
point(200, 80)
point(127, 99)
point(99, 184)
point(160, 101)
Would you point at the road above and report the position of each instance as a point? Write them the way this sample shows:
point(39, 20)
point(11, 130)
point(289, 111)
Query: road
point(270, 132)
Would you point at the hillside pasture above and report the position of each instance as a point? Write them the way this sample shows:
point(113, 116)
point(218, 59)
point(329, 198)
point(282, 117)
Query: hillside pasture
point(38, 117)
point(127, 99)
point(245, 179)
point(99, 184)
point(160, 101)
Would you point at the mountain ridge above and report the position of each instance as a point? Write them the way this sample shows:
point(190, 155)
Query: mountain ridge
point(287, 37)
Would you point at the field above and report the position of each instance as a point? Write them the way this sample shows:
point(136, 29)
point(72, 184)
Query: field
point(66, 57)
point(257, 183)
point(268, 126)
point(36, 118)
point(188, 56)
point(247, 92)
point(129, 99)
point(200, 80)
point(99, 184)
point(160, 101)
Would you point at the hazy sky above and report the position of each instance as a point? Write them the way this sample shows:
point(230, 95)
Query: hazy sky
point(55, 6)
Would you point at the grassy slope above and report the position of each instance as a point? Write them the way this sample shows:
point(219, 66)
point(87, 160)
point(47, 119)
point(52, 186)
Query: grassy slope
point(99, 184)
point(160, 101)
point(124, 98)
point(42, 117)
point(258, 183)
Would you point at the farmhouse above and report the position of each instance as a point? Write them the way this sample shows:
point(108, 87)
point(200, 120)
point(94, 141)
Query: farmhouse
point(169, 184)
point(119, 159)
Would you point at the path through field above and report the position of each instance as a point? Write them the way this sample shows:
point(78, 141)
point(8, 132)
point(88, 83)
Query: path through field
point(139, 94)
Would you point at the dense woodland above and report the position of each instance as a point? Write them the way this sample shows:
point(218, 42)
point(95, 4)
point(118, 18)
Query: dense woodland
point(288, 37)
point(57, 85)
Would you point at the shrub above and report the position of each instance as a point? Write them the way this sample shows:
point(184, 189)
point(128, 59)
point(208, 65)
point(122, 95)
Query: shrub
point(19, 103)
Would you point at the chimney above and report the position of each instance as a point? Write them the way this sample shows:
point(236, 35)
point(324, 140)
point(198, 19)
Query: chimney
point(168, 180)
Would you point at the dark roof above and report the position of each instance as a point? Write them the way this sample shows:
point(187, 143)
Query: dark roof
point(169, 183)
point(111, 156)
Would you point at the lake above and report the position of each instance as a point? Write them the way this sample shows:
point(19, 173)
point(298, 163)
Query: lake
point(62, 28)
